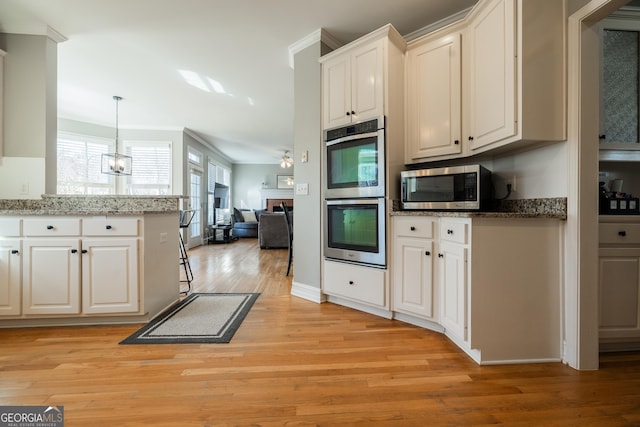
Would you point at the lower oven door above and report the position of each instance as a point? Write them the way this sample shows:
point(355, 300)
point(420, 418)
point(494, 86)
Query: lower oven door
point(354, 231)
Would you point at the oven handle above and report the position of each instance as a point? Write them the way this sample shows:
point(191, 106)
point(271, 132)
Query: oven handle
point(354, 137)
point(337, 202)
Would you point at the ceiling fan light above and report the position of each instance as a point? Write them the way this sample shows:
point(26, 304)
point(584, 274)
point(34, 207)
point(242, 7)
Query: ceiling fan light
point(286, 161)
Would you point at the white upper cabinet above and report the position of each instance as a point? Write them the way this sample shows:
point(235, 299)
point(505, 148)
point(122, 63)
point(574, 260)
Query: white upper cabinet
point(516, 81)
point(353, 86)
point(355, 77)
point(434, 123)
point(494, 80)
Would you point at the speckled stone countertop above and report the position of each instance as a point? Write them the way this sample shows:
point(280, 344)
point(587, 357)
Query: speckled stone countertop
point(91, 205)
point(554, 208)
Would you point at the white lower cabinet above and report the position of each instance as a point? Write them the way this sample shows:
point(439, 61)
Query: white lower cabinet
point(453, 284)
point(10, 283)
point(413, 267)
point(619, 285)
point(51, 276)
point(58, 267)
point(109, 275)
point(361, 284)
point(494, 283)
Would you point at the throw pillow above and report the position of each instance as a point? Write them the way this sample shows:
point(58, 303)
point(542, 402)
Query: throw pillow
point(249, 216)
point(237, 215)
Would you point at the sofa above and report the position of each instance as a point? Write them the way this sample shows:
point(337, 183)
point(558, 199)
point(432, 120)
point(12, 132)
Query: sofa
point(272, 231)
point(245, 223)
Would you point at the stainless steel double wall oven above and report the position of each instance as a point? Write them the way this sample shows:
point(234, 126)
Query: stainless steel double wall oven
point(354, 191)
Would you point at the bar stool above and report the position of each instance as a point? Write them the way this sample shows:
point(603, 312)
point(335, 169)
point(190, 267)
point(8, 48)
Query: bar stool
point(185, 219)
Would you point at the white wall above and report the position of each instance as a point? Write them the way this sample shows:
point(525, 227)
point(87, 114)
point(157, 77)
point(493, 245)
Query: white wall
point(247, 181)
point(539, 173)
point(30, 110)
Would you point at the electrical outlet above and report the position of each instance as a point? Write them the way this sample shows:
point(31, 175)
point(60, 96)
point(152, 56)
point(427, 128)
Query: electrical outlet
point(304, 158)
point(163, 237)
point(513, 183)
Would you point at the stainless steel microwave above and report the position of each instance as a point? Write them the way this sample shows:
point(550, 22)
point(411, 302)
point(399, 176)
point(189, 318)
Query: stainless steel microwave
point(449, 188)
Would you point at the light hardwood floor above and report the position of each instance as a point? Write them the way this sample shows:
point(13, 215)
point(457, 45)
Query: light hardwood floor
point(297, 363)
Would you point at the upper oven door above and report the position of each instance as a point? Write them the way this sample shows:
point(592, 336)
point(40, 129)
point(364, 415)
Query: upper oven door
point(354, 165)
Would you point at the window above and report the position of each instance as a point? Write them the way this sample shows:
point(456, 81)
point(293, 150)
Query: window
point(79, 166)
point(194, 199)
point(194, 156)
point(151, 172)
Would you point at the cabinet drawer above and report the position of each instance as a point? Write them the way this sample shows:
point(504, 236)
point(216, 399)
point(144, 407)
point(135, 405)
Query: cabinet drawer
point(110, 226)
point(365, 284)
point(619, 233)
point(414, 226)
point(9, 227)
point(454, 231)
point(51, 226)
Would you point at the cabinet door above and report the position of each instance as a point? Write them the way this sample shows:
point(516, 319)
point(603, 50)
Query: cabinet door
point(109, 275)
point(336, 76)
point(492, 96)
point(434, 103)
point(453, 282)
point(367, 86)
point(51, 276)
point(413, 276)
point(10, 264)
point(619, 293)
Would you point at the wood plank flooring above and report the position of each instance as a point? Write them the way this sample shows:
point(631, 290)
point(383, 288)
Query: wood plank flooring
point(297, 363)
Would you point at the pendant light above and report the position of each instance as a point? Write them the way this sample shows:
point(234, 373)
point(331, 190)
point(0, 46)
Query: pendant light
point(116, 163)
point(286, 161)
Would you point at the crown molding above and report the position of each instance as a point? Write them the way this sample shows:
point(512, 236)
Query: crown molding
point(459, 16)
point(55, 35)
point(207, 144)
point(319, 35)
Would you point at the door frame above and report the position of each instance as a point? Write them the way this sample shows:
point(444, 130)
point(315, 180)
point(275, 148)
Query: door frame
point(581, 340)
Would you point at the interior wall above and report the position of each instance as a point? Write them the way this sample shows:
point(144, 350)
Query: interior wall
point(248, 179)
point(307, 131)
point(539, 173)
point(30, 110)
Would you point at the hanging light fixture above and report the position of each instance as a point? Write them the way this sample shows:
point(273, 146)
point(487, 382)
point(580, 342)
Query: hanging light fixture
point(116, 163)
point(286, 161)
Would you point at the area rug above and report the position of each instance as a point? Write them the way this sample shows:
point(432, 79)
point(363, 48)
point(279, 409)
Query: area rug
point(200, 318)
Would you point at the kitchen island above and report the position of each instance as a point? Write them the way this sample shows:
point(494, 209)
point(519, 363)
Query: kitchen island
point(68, 260)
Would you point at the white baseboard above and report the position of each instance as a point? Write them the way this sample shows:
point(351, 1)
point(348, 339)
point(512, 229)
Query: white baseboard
point(308, 292)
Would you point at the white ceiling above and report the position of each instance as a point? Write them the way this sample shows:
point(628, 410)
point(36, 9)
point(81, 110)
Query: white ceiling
point(147, 51)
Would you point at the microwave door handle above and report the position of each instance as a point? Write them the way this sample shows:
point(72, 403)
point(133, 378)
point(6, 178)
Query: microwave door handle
point(352, 138)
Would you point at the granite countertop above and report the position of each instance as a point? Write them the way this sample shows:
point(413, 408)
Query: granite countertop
point(551, 208)
point(51, 204)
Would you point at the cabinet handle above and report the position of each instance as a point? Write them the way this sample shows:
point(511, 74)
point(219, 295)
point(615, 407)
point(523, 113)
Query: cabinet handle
point(440, 256)
point(353, 113)
point(50, 227)
point(622, 233)
point(470, 138)
point(15, 251)
point(74, 251)
point(603, 136)
point(449, 231)
point(427, 253)
point(351, 282)
point(412, 228)
point(348, 113)
point(84, 251)
point(108, 227)
point(456, 142)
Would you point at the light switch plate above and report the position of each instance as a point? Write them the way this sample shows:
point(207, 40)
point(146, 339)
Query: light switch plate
point(302, 189)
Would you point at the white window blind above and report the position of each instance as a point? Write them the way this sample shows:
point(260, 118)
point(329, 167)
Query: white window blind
point(151, 168)
point(78, 166)
point(211, 177)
